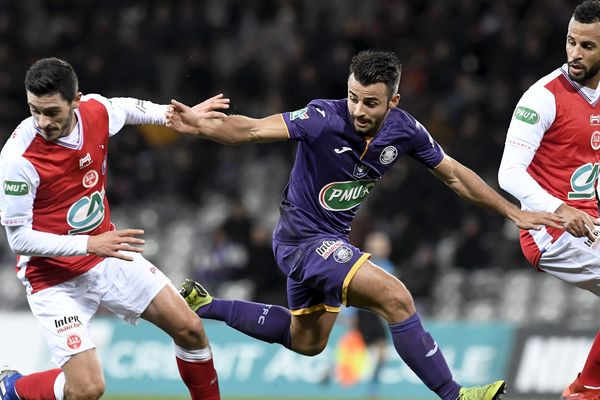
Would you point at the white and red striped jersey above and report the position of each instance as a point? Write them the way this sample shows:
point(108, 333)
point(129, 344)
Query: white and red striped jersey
point(551, 153)
point(59, 187)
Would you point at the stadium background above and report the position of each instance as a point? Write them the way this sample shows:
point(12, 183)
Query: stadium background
point(208, 210)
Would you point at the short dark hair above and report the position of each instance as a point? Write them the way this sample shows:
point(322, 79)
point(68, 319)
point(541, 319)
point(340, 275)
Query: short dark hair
point(52, 75)
point(370, 67)
point(587, 12)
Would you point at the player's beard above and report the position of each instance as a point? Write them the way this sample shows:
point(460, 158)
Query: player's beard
point(67, 127)
point(588, 73)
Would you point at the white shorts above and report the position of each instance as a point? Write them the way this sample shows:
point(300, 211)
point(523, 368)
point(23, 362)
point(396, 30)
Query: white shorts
point(65, 310)
point(572, 260)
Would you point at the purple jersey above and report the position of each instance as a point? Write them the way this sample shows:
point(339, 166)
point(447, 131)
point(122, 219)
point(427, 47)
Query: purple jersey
point(336, 168)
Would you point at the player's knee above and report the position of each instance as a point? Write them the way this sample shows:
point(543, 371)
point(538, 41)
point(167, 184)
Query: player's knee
point(89, 390)
point(310, 348)
point(398, 303)
point(191, 334)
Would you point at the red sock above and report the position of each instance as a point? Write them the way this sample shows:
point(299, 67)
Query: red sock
point(200, 378)
point(590, 376)
point(38, 386)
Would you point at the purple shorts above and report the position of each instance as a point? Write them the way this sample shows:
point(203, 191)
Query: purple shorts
point(318, 273)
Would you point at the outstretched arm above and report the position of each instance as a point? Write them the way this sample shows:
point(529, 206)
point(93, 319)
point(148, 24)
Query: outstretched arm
point(471, 187)
point(231, 130)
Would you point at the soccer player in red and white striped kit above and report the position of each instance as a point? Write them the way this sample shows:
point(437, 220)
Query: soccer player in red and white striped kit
point(551, 162)
point(71, 259)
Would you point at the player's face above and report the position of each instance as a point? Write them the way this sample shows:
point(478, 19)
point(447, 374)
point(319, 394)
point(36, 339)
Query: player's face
point(368, 105)
point(53, 115)
point(583, 53)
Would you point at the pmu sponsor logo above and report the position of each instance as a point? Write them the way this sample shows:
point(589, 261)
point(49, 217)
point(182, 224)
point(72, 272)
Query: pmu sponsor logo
point(583, 182)
point(328, 247)
point(527, 115)
point(342, 196)
point(66, 323)
point(545, 361)
point(15, 188)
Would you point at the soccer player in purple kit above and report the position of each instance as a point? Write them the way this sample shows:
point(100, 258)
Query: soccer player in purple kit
point(344, 147)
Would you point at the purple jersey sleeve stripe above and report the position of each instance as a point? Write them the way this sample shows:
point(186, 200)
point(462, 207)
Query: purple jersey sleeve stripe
point(286, 127)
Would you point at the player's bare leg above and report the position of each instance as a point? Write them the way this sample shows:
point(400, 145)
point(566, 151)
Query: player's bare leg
point(171, 313)
point(310, 332)
point(305, 333)
point(83, 376)
point(374, 289)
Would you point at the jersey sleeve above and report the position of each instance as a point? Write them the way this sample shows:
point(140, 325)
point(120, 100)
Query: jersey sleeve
point(424, 148)
point(25, 241)
point(534, 114)
point(130, 111)
point(19, 181)
point(308, 123)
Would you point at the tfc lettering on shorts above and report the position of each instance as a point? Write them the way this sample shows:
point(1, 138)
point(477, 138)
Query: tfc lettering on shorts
point(318, 272)
point(574, 260)
point(64, 311)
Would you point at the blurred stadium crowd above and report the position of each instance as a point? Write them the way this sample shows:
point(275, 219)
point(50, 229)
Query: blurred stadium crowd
point(208, 210)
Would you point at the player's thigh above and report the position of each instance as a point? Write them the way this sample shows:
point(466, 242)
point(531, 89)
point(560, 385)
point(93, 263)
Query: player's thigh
point(574, 261)
point(83, 375)
point(310, 332)
point(64, 312)
point(130, 286)
point(169, 311)
point(374, 289)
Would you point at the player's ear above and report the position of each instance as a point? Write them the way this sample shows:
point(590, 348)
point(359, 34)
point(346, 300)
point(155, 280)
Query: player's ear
point(76, 100)
point(394, 100)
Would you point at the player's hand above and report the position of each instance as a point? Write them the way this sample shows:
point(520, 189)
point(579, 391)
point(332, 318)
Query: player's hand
point(577, 222)
point(534, 220)
point(187, 119)
point(208, 108)
point(108, 244)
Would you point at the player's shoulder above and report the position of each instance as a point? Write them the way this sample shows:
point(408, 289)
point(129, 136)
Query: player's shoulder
point(19, 140)
point(546, 86)
point(95, 98)
point(330, 107)
point(399, 120)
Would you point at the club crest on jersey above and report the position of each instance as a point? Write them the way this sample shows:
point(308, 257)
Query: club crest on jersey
point(74, 342)
point(343, 254)
point(388, 155)
point(299, 114)
point(85, 161)
point(595, 140)
point(595, 120)
point(90, 179)
point(328, 247)
point(360, 170)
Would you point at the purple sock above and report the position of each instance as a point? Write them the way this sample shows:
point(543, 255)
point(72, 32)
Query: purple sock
point(421, 353)
point(265, 322)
